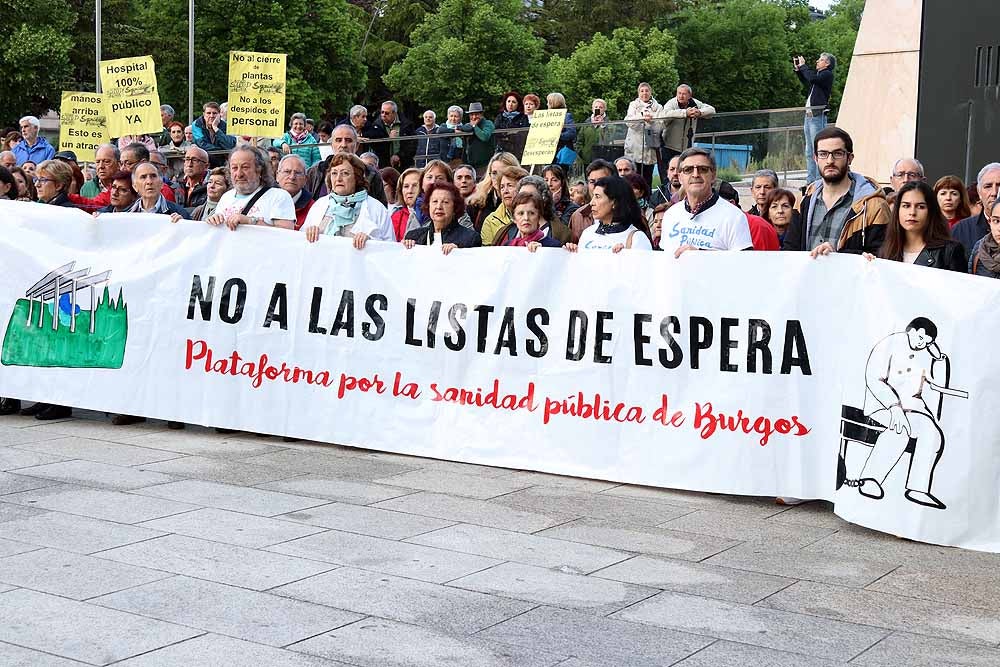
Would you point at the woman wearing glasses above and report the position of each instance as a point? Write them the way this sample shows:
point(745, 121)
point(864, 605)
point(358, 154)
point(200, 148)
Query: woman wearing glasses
point(52, 181)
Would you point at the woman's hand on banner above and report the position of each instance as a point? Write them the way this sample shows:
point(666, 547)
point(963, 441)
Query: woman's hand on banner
point(448, 247)
point(360, 239)
point(312, 233)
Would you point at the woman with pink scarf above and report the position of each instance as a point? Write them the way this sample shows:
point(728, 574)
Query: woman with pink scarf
point(298, 140)
point(528, 206)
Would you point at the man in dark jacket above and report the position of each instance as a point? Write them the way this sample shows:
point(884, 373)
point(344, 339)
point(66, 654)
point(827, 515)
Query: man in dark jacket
point(210, 133)
point(973, 228)
point(842, 212)
point(193, 188)
point(820, 82)
point(344, 140)
point(397, 154)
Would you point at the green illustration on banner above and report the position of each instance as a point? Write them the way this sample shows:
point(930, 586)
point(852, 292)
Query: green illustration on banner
point(49, 328)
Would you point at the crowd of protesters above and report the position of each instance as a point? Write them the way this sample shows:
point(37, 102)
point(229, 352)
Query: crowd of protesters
point(459, 184)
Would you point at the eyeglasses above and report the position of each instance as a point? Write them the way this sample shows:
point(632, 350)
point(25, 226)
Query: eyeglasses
point(838, 154)
point(699, 168)
point(195, 159)
point(39, 181)
point(907, 174)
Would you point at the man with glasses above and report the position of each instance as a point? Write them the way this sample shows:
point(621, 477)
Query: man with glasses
point(704, 221)
point(291, 177)
point(31, 147)
point(583, 216)
point(193, 190)
point(904, 171)
point(843, 211)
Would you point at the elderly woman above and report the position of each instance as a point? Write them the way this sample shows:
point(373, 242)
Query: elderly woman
point(565, 155)
point(299, 141)
point(443, 206)
point(452, 149)
point(511, 117)
point(530, 103)
point(509, 177)
point(436, 171)
point(618, 224)
point(123, 194)
point(779, 210)
point(404, 217)
point(549, 223)
point(216, 185)
point(642, 140)
point(529, 207)
point(985, 257)
point(178, 143)
point(953, 199)
point(53, 180)
point(348, 211)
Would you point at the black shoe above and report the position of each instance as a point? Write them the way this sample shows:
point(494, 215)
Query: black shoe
point(55, 412)
point(175, 426)
point(126, 420)
point(225, 431)
point(33, 410)
point(9, 406)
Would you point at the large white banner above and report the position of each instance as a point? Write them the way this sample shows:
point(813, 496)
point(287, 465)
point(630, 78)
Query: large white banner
point(872, 385)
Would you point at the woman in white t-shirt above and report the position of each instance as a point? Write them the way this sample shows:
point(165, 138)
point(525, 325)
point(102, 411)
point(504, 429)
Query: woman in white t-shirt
point(348, 211)
point(618, 222)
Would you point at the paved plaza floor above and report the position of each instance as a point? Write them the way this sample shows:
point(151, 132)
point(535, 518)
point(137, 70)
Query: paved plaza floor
point(140, 546)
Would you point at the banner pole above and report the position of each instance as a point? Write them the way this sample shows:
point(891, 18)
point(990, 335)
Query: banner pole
point(190, 62)
point(97, 44)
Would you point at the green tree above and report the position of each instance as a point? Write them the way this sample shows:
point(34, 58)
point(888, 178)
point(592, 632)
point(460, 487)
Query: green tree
point(35, 47)
point(118, 33)
point(469, 50)
point(612, 69)
point(736, 56)
point(564, 24)
point(322, 39)
point(390, 26)
point(835, 34)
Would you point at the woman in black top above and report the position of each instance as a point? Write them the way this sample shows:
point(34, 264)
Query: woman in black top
point(443, 206)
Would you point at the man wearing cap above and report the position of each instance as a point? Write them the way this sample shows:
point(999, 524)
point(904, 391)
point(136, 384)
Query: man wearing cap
point(69, 157)
point(482, 144)
point(31, 147)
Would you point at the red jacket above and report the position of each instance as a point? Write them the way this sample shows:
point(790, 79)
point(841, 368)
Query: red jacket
point(762, 233)
point(104, 198)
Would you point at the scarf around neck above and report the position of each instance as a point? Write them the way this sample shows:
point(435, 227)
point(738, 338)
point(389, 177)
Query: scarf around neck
point(454, 128)
point(343, 210)
point(298, 138)
point(989, 254)
point(521, 240)
point(613, 228)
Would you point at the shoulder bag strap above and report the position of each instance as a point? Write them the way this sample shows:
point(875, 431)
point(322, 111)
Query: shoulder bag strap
point(254, 199)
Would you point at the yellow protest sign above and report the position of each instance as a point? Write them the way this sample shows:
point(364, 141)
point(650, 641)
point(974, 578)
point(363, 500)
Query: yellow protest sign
point(256, 94)
point(83, 124)
point(133, 103)
point(543, 137)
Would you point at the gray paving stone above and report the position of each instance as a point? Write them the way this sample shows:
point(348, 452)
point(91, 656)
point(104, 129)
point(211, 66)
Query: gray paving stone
point(417, 602)
point(81, 631)
point(367, 520)
point(547, 481)
point(750, 506)
point(12, 458)
point(72, 575)
point(235, 498)
point(226, 610)
point(219, 470)
point(344, 491)
point(11, 483)
point(729, 654)
point(199, 441)
point(100, 428)
point(468, 510)
point(244, 530)
point(521, 548)
point(770, 628)
point(818, 513)
point(918, 651)
point(855, 542)
point(572, 503)
point(889, 611)
point(329, 464)
point(688, 546)
point(99, 475)
point(9, 548)
point(461, 468)
point(735, 526)
point(966, 590)
point(99, 503)
point(73, 533)
point(601, 641)
point(20, 436)
point(12, 512)
point(560, 589)
point(221, 563)
point(800, 564)
point(209, 650)
point(15, 656)
point(372, 553)
point(456, 483)
point(376, 642)
point(98, 450)
point(710, 581)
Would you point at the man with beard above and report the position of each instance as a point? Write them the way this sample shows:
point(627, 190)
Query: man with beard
point(668, 192)
point(254, 199)
point(704, 221)
point(843, 211)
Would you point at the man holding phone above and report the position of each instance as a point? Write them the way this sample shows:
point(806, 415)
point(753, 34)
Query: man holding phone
point(820, 82)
